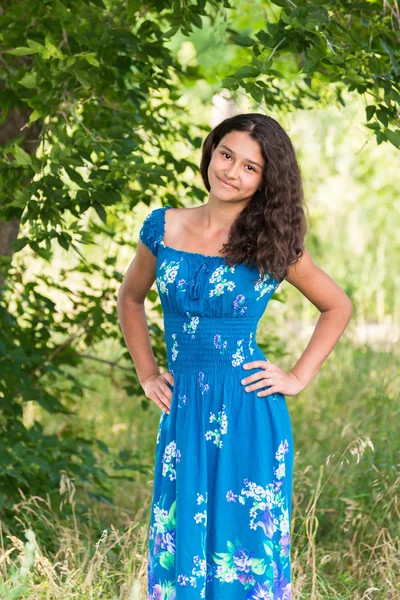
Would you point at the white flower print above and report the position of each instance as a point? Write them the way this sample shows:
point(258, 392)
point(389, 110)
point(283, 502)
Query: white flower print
point(170, 456)
point(238, 356)
point(264, 286)
point(221, 283)
point(201, 498)
point(267, 499)
point(251, 349)
point(216, 433)
point(170, 272)
point(191, 327)
point(198, 571)
point(199, 517)
point(174, 348)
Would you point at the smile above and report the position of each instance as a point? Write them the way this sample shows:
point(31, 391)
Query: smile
point(228, 185)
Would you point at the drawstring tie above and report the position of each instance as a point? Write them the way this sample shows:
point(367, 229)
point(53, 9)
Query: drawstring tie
point(194, 290)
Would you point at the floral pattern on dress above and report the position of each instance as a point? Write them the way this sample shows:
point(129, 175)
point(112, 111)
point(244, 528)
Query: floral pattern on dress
point(265, 285)
point(204, 387)
point(162, 549)
point(262, 577)
point(238, 356)
point(216, 433)
point(170, 271)
point(191, 327)
point(174, 348)
point(170, 457)
point(250, 560)
point(270, 513)
point(219, 344)
point(201, 517)
point(218, 277)
point(238, 308)
point(251, 349)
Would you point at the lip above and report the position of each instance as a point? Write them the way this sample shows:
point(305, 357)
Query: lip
point(232, 187)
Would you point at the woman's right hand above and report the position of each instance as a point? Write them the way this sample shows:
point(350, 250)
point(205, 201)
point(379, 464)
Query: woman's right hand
point(156, 388)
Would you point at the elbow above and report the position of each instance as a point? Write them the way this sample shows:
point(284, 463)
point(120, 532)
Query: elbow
point(348, 308)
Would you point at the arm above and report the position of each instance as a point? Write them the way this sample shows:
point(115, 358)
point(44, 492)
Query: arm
point(335, 307)
point(336, 310)
point(137, 282)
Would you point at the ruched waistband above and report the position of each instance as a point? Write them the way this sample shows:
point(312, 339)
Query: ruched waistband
point(210, 344)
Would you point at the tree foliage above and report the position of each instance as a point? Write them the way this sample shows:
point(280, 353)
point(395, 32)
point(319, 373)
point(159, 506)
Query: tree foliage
point(89, 120)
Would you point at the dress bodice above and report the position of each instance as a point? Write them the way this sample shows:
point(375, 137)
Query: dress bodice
point(204, 299)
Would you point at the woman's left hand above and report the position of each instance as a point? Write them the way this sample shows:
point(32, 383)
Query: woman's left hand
point(271, 375)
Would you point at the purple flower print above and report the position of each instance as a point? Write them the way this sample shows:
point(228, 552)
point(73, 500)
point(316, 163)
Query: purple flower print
point(278, 483)
point(282, 586)
point(231, 496)
point(259, 591)
point(267, 523)
point(157, 544)
point(204, 387)
point(168, 541)
point(217, 343)
point(243, 559)
point(238, 307)
point(157, 592)
point(285, 544)
point(246, 578)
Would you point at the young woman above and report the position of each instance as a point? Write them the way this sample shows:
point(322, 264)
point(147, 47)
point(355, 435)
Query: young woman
point(221, 507)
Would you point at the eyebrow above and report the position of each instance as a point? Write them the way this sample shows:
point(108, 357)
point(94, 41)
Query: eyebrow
point(246, 159)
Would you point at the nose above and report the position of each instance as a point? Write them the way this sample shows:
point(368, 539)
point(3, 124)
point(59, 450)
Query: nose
point(232, 173)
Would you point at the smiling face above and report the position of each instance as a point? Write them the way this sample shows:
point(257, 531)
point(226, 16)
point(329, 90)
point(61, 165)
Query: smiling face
point(235, 169)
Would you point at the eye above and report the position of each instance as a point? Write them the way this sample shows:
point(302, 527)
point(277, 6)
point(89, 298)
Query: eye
point(227, 154)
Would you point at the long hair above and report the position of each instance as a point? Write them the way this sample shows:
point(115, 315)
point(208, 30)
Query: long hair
point(269, 232)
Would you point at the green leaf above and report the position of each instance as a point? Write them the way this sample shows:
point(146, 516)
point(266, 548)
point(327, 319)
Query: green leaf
point(196, 19)
point(258, 566)
point(91, 59)
point(247, 71)
point(370, 110)
point(22, 51)
point(242, 40)
point(100, 211)
point(34, 116)
point(20, 243)
point(167, 560)
point(29, 80)
point(264, 38)
point(383, 117)
point(22, 158)
point(268, 548)
point(393, 137)
point(36, 46)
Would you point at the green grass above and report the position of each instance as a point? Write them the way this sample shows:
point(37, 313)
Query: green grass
point(345, 525)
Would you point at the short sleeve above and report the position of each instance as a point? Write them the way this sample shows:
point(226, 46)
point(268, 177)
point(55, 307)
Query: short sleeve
point(152, 230)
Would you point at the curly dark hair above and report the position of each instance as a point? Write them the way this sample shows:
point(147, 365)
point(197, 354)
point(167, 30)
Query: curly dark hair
point(269, 232)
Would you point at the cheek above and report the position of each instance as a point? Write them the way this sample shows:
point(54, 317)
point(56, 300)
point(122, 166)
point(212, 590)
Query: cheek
point(251, 180)
point(216, 164)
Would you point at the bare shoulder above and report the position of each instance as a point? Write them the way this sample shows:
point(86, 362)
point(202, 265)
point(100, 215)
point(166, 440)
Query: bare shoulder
point(315, 284)
point(181, 219)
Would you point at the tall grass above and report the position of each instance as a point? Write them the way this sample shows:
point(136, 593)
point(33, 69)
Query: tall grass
point(345, 526)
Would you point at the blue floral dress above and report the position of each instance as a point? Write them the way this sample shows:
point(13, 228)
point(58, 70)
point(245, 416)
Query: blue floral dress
point(221, 507)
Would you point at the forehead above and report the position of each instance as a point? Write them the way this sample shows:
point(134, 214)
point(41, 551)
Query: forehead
point(243, 145)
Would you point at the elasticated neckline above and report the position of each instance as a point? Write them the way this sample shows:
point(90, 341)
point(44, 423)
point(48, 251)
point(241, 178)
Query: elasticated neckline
point(187, 252)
